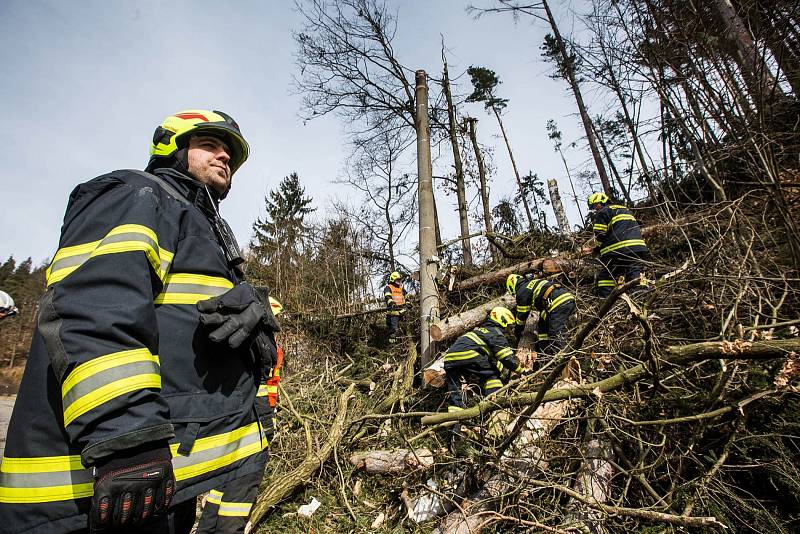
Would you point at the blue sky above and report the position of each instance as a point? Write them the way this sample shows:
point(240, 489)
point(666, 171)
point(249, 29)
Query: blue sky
point(85, 82)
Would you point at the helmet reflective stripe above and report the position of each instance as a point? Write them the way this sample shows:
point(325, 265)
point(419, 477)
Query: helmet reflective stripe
point(177, 127)
point(511, 282)
point(597, 198)
point(501, 316)
point(394, 276)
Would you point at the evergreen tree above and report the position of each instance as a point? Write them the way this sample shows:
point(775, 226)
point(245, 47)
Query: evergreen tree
point(279, 238)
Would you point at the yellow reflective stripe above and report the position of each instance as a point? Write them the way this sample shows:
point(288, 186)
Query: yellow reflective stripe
point(262, 390)
point(622, 244)
point(245, 441)
point(561, 299)
point(518, 320)
point(600, 227)
point(621, 217)
point(235, 509)
point(184, 288)
point(606, 283)
point(493, 383)
point(214, 496)
point(87, 386)
point(461, 355)
point(617, 207)
point(481, 343)
point(123, 238)
point(41, 479)
point(505, 352)
point(523, 309)
point(543, 336)
point(538, 289)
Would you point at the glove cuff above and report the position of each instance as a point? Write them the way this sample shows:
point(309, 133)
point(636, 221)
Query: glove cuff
point(146, 452)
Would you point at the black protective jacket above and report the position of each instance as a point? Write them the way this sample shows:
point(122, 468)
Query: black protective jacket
point(618, 232)
point(120, 358)
point(487, 341)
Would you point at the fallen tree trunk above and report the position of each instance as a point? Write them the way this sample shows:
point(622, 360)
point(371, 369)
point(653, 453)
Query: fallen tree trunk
point(286, 484)
point(593, 481)
point(524, 456)
point(730, 350)
point(392, 462)
point(547, 265)
point(456, 325)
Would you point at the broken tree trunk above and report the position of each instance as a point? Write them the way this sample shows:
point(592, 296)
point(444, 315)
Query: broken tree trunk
point(548, 265)
point(458, 324)
point(594, 482)
point(392, 462)
point(558, 207)
point(283, 486)
point(524, 457)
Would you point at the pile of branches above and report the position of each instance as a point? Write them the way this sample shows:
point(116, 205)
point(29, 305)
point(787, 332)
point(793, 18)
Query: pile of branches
point(681, 410)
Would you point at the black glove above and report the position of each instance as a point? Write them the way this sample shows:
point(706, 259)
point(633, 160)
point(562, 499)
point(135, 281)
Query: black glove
point(390, 306)
point(132, 488)
point(238, 313)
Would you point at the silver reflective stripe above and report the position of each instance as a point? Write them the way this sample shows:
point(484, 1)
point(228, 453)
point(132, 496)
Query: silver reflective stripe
point(71, 261)
point(195, 289)
point(45, 480)
point(179, 462)
point(103, 378)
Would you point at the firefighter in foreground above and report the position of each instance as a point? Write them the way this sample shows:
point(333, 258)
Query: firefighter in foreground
point(227, 508)
point(140, 385)
point(621, 247)
point(394, 295)
point(554, 304)
point(479, 357)
point(7, 308)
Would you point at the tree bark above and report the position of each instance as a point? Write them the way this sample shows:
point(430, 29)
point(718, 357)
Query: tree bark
point(461, 195)
point(548, 265)
point(392, 462)
point(458, 324)
point(487, 210)
point(576, 90)
point(558, 207)
point(427, 239)
point(514, 166)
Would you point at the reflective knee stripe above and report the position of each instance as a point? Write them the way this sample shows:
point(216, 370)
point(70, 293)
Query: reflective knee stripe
point(493, 383)
point(229, 509)
point(123, 238)
point(451, 409)
point(623, 244)
point(44, 479)
point(262, 391)
point(461, 355)
point(99, 380)
point(606, 283)
point(63, 478)
point(542, 337)
point(184, 288)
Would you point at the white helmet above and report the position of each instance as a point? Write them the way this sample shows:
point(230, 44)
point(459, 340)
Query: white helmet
point(6, 302)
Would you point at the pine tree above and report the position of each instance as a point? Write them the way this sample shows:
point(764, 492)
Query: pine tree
point(279, 238)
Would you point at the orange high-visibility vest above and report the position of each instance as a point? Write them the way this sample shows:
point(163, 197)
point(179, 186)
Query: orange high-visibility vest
point(397, 295)
point(275, 379)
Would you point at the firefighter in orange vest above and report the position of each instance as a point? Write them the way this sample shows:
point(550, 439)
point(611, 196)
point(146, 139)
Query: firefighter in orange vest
point(227, 508)
point(395, 297)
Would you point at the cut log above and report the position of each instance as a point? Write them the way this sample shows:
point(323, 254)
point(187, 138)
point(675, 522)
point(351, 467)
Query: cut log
point(456, 325)
point(434, 374)
point(547, 265)
point(523, 457)
point(392, 462)
point(594, 482)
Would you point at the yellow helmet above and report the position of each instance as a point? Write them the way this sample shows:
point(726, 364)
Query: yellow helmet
point(511, 283)
point(597, 198)
point(276, 306)
point(394, 276)
point(173, 133)
point(502, 316)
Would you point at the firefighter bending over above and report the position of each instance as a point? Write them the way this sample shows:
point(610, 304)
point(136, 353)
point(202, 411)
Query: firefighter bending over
point(394, 295)
point(621, 247)
point(554, 304)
